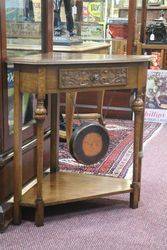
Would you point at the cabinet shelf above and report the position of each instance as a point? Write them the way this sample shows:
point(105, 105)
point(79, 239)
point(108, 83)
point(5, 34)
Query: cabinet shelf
point(61, 188)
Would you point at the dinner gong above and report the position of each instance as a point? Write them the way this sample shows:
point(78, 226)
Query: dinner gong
point(89, 143)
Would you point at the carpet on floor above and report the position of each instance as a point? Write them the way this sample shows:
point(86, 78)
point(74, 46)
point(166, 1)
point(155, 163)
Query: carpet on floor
point(105, 223)
point(119, 157)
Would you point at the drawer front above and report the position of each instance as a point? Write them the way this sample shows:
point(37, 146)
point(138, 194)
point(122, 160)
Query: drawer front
point(80, 78)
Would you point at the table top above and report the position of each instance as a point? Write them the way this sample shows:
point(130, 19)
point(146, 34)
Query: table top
point(59, 58)
point(85, 46)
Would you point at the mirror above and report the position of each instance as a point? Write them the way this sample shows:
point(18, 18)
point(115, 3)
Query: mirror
point(23, 26)
point(98, 20)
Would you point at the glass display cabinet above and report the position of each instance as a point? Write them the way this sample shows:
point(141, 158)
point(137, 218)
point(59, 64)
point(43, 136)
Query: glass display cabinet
point(22, 31)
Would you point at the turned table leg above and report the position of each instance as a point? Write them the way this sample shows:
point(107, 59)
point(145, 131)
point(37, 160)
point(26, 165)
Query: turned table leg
point(40, 115)
point(141, 140)
point(54, 141)
point(70, 108)
point(17, 148)
point(100, 102)
point(138, 108)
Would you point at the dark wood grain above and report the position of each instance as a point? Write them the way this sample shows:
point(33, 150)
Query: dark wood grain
point(131, 26)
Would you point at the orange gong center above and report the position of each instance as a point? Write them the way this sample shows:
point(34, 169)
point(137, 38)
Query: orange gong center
point(92, 144)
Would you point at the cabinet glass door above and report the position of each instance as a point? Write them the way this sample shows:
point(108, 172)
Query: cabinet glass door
point(23, 32)
point(23, 24)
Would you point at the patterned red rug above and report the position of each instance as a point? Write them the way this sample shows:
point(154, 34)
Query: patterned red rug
point(120, 154)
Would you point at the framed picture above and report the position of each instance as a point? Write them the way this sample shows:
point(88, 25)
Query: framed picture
point(154, 2)
point(156, 96)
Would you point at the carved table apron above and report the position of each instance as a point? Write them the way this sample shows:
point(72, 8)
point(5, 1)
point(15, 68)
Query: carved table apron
point(53, 73)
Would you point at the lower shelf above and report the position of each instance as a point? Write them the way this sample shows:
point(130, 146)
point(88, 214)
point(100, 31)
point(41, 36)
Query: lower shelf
point(59, 188)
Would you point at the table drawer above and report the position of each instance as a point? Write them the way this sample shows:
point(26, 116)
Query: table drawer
point(89, 77)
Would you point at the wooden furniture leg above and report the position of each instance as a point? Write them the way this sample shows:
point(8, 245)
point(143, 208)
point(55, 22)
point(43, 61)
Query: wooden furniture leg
point(40, 115)
point(100, 101)
point(70, 108)
point(141, 140)
point(54, 140)
point(138, 108)
point(17, 148)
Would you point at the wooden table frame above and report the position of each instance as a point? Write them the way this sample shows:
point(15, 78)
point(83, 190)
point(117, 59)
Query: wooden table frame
point(54, 73)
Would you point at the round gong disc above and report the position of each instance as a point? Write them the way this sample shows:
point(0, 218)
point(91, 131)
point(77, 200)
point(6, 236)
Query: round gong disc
point(89, 143)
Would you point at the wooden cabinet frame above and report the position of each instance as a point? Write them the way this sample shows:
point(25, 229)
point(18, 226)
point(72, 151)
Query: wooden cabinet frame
point(3, 56)
point(6, 140)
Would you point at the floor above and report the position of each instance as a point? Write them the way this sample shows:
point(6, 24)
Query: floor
point(106, 223)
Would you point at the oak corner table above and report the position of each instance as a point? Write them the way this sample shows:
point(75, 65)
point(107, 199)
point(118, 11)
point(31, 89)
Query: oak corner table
point(53, 73)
